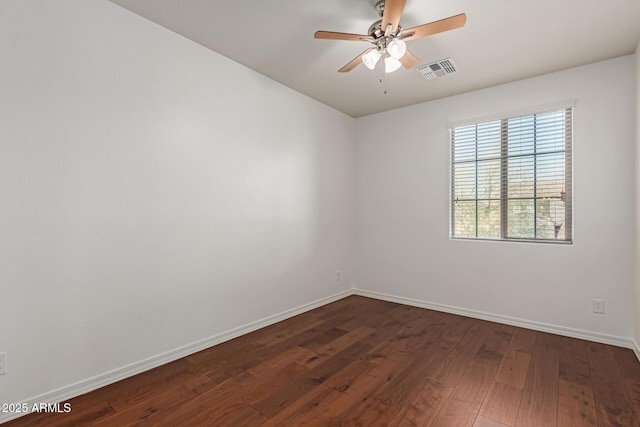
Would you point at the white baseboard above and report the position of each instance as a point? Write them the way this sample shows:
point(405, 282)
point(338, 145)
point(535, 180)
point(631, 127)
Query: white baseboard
point(68, 392)
point(513, 321)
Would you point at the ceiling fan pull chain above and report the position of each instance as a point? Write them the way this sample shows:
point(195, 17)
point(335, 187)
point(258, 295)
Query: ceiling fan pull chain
point(383, 80)
point(381, 66)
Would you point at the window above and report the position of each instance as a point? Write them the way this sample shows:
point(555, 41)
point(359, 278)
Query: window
point(511, 178)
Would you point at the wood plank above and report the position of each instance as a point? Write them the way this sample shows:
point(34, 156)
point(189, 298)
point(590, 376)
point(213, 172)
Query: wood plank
point(296, 389)
point(253, 354)
point(366, 310)
point(286, 333)
point(236, 403)
point(294, 354)
point(628, 364)
point(382, 317)
point(487, 422)
point(501, 403)
point(357, 396)
point(630, 370)
point(574, 361)
point(225, 350)
point(344, 379)
point(539, 404)
point(428, 329)
point(475, 383)
point(457, 413)
point(456, 329)
point(367, 412)
point(230, 356)
point(425, 407)
point(241, 402)
point(376, 378)
point(576, 406)
point(453, 367)
point(141, 387)
point(504, 397)
point(514, 366)
point(306, 410)
point(406, 339)
point(267, 383)
point(493, 349)
point(612, 400)
point(142, 410)
point(206, 401)
point(406, 313)
point(245, 416)
point(322, 337)
point(328, 350)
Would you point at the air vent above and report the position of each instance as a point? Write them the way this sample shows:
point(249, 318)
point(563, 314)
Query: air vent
point(437, 69)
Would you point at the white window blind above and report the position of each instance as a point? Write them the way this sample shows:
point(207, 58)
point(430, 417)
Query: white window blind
point(511, 178)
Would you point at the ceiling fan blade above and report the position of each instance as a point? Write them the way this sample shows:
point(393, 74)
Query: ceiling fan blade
point(435, 27)
point(392, 14)
point(332, 35)
point(409, 60)
point(354, 62)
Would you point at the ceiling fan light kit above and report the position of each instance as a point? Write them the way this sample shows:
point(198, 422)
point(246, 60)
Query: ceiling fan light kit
point(389, 38)
point(391, 57)
point(371, 58)
point(391, 64)
point(397, 48)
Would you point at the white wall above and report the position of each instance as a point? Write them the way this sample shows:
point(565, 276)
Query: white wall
point(403, 247)
point(154, 194)
point(637, 193)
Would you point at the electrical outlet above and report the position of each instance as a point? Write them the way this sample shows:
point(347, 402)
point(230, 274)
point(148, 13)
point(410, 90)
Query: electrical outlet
point(3, 363)
point(338, 276)
point(598, 306)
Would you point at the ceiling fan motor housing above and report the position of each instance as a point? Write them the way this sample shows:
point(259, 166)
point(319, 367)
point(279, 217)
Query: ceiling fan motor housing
point(375, 30)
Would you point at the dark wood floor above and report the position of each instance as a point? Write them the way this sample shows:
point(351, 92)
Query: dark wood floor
point(365, 362)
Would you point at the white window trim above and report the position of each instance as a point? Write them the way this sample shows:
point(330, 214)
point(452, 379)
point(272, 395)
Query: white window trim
point(567, 103)
point(564, 104)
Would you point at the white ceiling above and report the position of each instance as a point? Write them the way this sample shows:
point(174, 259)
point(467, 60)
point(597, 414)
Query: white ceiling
point(503, 41)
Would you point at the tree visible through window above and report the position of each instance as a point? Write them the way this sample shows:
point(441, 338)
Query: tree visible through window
point(511, 178)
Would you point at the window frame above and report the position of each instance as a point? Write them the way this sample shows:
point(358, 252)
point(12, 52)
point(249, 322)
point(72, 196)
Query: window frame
point(568, 106)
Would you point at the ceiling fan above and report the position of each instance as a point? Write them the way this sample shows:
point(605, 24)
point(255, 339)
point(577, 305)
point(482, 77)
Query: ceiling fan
point(388, 38)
